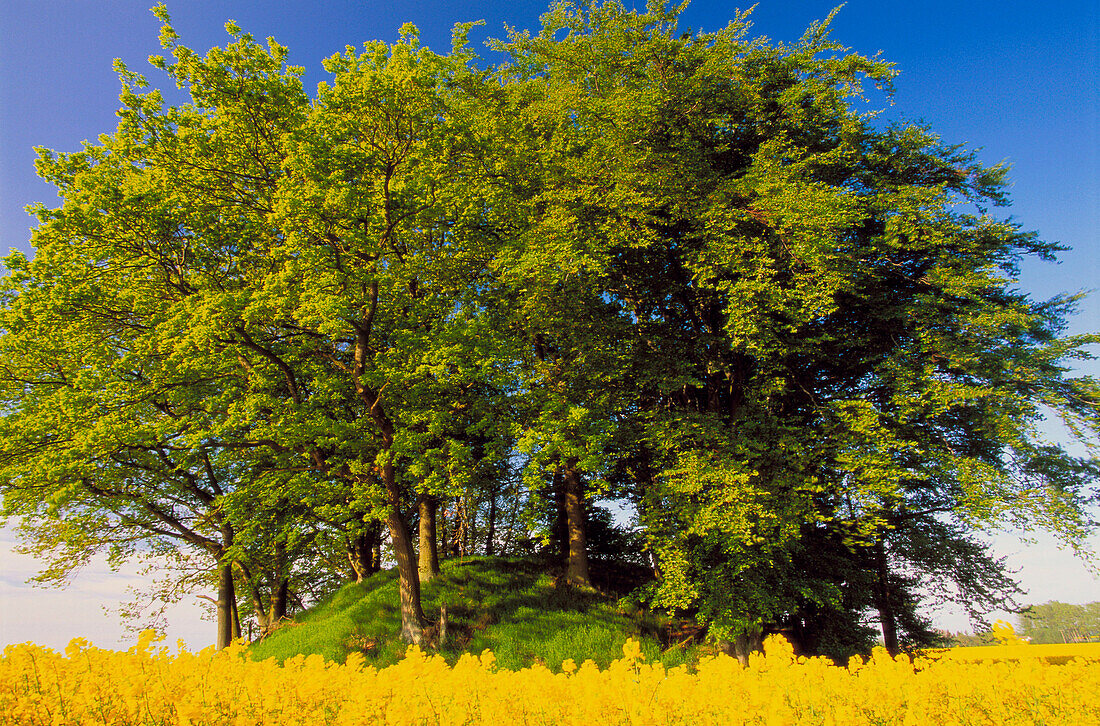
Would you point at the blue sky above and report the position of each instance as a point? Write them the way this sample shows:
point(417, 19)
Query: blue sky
point(1019, 80)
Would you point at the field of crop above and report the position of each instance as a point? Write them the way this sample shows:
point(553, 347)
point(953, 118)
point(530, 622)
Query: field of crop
point(150, 685)
point(1050, 653)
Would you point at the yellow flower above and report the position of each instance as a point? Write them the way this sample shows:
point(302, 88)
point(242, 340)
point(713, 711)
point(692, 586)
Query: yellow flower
point(632, 650)
point(1052, 684)
point(1006, 634)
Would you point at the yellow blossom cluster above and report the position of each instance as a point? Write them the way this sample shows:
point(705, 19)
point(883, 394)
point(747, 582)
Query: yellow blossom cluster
point(147, 685)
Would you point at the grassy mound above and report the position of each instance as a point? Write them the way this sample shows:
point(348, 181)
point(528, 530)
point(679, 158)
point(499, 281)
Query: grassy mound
point(511, 606)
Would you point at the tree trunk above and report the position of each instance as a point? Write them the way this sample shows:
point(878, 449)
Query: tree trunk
point(279, 602)
point(226, 604)
point(443, 527)
point(429, 543)
point(280, 586)
point(882, 601)
point(359, 556)
point(236, 616)
point(508, 547)
point(263, 618)
point(466, 525)
point(412, 615)
point(492, 533)
point(361, 551)
point(559, 528)
point(254, 595)
point(229, 621)
point(453, 531)
point(743, 645)
point(576, 570)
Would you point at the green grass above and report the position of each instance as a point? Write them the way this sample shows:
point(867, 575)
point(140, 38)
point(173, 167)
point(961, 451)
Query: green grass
point(510, 606)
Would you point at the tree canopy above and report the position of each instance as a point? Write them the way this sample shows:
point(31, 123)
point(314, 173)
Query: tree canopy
point(678, 270)
point(1059, 622)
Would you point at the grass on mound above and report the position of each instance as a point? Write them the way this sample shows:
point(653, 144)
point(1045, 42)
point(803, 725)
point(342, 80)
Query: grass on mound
point(509, 606)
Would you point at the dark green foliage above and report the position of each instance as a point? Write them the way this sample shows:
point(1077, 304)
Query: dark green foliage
point(608, 540)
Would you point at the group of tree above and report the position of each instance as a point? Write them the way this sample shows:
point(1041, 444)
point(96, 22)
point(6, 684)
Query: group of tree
point(448, 305)
point(1059, 622)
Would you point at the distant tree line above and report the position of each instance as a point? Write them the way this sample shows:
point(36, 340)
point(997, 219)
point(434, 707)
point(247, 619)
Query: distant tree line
point(442, 307)
point(1050, 622)
point(1059, 622)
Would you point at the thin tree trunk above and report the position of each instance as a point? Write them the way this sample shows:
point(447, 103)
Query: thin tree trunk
point(226, 599)
point(508, 547)
point(743, 645)
point(254, 595)
point(576, 570)
point(443, 527)
point(882, 601)
point(229, 622)
point(452, 541)
point(429, 543)
point(465, 544)
point(361, 551)
point(359, 557)
point(492, 533)
point(352, 552)
point(412, 615)
point(279, 602)
point(281, 585)
point(559, 529)
point(373, 547)
point(236, 614)
point(263, 620)
point(262, 616)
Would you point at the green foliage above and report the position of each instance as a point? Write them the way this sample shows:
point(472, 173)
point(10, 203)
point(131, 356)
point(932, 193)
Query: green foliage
point(1059, 622)
point(817, 333)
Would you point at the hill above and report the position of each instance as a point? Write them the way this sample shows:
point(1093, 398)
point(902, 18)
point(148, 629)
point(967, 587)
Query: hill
point(512, 606)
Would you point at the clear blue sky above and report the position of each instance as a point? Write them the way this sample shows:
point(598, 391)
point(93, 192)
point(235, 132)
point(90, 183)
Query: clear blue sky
point(1020, 80)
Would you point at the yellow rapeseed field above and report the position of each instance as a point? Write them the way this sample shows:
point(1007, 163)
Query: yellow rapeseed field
point(149, 685)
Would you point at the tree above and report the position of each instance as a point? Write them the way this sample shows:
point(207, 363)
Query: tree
point(820, 332)
point(1059, 622)
point(124, 357)
point(107, 440)
point(288, 287)
point(389, 232)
